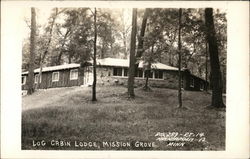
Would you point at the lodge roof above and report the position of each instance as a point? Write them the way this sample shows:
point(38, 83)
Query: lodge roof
point(55, 68)
point(104, 62)
point(125, 63)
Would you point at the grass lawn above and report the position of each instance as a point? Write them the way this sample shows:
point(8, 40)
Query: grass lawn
point(63, 115)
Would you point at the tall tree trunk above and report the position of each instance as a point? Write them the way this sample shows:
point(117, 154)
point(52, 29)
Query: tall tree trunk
point(179, 61)
point(217, 100)
point(46, 49)
point(32, 52)
point(94, 61)
point(148, 70)
point(140, 49)
point(58, 61)
point(131, 77)
point(147, 76)
point(147, 73)
point(206, 73)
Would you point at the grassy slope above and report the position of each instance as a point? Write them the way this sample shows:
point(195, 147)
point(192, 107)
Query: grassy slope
point(68, 114)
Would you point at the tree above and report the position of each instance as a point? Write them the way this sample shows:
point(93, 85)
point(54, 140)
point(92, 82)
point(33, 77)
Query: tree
point(94, 60)
point(179, 61)
point(42, 56)
point(125, 29)
point(59, 57)
point(206, 65)
point(220, 22)
point(148, 59)
point(164, 21)
point(74, 36)
point(131, 77)
point(30, 80)
point(193, 36)
point(77, 32)
point(152, 50)
point(216, 79)
point(106, 30)
point(140, 49)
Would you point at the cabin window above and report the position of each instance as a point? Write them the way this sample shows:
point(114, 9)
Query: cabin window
point(191, 82)
point(23, 80)
point(201, 86)
point(125, 72)
point(36, 78)
point(159, 74)
point(117, 71)
point(151, 74)
point(55, 76)
point(74, 74)
point(139, 73)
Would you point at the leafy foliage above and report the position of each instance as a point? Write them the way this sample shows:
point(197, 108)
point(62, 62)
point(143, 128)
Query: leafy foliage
point(73, 34)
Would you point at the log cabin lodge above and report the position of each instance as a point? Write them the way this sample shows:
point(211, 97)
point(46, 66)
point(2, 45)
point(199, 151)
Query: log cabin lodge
point(111, 71)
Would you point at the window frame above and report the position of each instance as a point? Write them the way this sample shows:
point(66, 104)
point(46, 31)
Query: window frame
point(145, 74)
point(71, 72)
point(23, 81)
point(117, 72)
point(139, 73)
point(125, 72)
point(36, 78)
point(151, 73)
point(159, 72)
point(53, 75)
